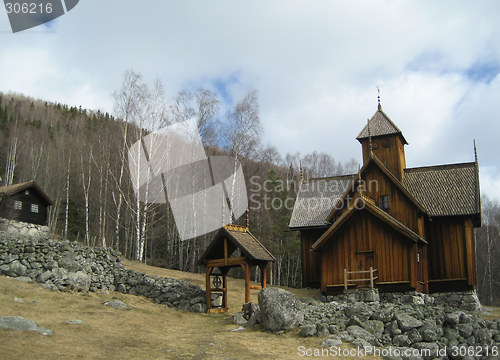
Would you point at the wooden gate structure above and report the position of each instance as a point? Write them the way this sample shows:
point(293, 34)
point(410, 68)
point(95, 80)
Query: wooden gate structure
point(218, 260)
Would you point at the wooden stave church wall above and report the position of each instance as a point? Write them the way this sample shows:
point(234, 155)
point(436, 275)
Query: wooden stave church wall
point(392, 254)
point(451, 253)
point(311, 260)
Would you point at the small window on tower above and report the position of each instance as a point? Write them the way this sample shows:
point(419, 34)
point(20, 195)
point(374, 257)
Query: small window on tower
point(18, 205)
point(386, 144)
point(384, 202)
point(34, 208)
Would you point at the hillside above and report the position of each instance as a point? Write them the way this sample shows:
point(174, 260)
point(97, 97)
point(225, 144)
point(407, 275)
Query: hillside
point(146, 331)
point(80, 159)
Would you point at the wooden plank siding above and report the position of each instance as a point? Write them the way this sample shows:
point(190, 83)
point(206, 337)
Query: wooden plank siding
point(25, 214)
point(390, 150)
point(447, 248)
point(400, 206)
point(311, 260)
point(362, 242)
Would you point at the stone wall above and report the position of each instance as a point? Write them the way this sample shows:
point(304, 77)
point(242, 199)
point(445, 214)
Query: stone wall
point(466, 300)
point(23, 228)
point(401, 324)
point(64, 265)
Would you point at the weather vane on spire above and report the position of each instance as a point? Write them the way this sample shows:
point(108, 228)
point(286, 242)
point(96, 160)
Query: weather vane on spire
point(378, 98)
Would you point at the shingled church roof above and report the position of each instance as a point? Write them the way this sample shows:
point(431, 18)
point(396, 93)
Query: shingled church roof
point(445, 190)
point(315, 200)
point(380, 124)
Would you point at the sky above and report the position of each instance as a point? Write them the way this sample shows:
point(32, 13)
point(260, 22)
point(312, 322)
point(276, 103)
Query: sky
point(315, 64)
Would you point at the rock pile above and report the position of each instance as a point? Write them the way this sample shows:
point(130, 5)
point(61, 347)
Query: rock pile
point(64, 265)
point(23, 228)
point(405, 325)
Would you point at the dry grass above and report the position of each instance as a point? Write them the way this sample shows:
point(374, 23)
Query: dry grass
point(236, 287)
point(491, 312)
point(146, 331)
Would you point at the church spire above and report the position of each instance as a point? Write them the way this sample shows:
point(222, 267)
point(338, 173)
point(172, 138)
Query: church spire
point(378, 98)
point(475, 152)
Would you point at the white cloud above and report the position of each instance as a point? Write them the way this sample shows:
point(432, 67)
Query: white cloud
point(316, 65)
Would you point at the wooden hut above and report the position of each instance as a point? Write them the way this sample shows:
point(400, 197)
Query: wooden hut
point(388, 226)
point(25, 202)
point(219, 259)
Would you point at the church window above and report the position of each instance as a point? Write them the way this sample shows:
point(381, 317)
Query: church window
point(384, 202)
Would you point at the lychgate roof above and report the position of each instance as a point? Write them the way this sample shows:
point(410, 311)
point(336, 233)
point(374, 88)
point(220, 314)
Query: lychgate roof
point(250, 245)
point(239, 238)
point(445, 190)
point(380, 124)
point(315, 200)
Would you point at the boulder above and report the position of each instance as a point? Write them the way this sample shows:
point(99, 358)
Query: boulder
point(430, 331)
point(78, 281)
point(255, 316)
point(452, 319)
point(414, 336)
point(401, 340)
point(483, 336)
point(198, 308)
point(331, 341)
point(362, 344)
point(407, 322)
point(69, 262)
point(359, 310)
point(370, 295)
point(359, 333)
point(376, 327)
point(19, 323)
point(280, 309)
point(322, 329)
point(385, 314)
point(465, 330)
point(345, 336)
point(16, 269)
point(116, 304)
point(307, 330)
point(239, 318)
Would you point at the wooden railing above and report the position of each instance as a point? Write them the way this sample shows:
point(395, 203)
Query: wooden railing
point(370, 279)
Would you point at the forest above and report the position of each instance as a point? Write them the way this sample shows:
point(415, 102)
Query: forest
point(79, 157)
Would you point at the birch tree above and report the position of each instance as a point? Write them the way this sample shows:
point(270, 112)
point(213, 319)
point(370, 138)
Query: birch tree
point(86, 178)
point(126, 108)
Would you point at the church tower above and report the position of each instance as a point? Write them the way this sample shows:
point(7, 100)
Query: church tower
point(386, 142)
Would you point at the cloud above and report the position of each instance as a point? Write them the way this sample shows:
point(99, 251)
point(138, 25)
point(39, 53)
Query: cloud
point(316, 66)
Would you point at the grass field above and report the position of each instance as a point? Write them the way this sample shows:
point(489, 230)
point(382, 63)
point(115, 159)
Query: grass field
point(146, 331)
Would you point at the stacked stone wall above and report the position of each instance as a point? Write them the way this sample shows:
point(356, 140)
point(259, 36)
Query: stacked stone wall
point(23, 228)
point(65, 265)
